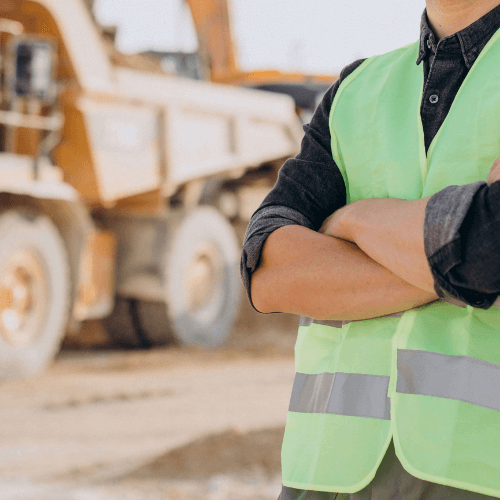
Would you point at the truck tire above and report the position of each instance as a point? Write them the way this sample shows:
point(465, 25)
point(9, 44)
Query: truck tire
point(35, 290)
point(121, 326)
point(139, 324)
point(201, 283)
point(155, 324)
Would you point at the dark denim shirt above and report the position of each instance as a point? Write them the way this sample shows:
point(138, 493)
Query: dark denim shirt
point(462, 224)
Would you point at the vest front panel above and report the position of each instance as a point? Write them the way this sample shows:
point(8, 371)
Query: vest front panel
point(334, 407)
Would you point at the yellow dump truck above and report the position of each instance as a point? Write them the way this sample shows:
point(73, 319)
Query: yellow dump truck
point(118, 188)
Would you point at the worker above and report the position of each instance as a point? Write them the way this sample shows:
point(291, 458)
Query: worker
point(384, 235)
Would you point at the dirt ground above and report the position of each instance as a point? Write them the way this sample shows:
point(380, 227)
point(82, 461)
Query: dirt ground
point(175, 424)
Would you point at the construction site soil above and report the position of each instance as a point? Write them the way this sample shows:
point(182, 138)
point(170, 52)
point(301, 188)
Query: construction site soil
point(171, 423)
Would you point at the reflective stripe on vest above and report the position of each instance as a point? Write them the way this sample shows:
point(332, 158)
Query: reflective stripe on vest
point(461, 378)
point(351, 394)
point(337, 323)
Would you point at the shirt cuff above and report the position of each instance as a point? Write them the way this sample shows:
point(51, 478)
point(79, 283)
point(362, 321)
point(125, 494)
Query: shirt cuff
point(262, 224)
point(444, 216)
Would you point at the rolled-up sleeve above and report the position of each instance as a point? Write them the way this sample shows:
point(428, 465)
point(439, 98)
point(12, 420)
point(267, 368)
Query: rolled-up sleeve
point(309, 188)
point(462, 242)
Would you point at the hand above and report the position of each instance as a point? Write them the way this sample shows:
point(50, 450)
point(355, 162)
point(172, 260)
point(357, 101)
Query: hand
point(325, 227)
point(494, 174)
point(336, 225)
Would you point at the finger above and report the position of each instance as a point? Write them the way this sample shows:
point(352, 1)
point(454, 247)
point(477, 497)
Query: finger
point(494, 174)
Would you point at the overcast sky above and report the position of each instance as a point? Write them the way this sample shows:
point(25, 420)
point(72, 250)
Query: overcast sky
point(319, 36)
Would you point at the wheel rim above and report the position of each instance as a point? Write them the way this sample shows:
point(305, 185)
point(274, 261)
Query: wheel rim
point(203, 277)
point(23, 298)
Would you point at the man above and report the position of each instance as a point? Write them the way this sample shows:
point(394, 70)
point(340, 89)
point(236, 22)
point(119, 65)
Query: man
point(389, 404)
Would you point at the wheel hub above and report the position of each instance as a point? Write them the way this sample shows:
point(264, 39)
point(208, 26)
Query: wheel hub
point(204, 276)
point(23, 295)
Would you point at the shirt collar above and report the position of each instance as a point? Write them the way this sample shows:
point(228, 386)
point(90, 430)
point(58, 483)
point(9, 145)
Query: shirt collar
point(468, 42)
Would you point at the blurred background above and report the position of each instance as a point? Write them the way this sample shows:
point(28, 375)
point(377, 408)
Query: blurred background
point(136, 141)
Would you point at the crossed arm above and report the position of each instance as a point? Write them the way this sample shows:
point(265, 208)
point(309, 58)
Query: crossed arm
point(367, 261)
point(311, 274)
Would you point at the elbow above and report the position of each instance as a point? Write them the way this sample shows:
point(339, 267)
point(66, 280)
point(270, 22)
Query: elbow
point(260, 305)
point(260, 293)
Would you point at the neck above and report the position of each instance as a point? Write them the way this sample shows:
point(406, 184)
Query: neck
point(449, 16)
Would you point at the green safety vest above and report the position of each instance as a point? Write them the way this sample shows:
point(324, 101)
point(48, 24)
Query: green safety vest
point(428, 378)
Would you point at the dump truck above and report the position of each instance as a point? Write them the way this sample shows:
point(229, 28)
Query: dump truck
point(120, 190)
point(216, 60)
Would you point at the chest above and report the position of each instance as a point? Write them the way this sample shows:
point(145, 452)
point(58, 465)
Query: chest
point(378, 134)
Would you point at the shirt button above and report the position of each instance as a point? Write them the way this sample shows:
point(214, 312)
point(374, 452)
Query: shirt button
point(433, 99)
point(429, 44)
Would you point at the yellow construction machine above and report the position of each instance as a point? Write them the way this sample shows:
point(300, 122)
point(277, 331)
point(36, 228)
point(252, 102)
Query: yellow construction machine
point(216, 60)
point(118, 188)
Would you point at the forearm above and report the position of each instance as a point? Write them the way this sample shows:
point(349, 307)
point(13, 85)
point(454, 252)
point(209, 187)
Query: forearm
point(391, 232)
point(307, 273)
